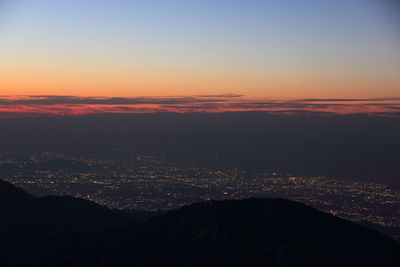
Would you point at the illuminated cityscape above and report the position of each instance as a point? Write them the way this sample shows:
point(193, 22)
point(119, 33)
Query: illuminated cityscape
point(154, 183)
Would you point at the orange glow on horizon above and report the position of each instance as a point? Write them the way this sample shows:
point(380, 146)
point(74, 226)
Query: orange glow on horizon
point(15, 106)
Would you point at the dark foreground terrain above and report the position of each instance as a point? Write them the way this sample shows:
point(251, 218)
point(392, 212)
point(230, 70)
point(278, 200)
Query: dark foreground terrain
point(64, 231)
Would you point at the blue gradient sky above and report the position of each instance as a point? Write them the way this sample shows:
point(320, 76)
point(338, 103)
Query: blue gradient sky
point(278, 49)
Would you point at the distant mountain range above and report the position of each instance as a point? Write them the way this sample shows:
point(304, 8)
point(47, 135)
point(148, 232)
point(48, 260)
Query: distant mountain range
point(65, 231)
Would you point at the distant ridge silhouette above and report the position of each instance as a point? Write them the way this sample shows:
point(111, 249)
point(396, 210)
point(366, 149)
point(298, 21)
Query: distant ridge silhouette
point(65, 231)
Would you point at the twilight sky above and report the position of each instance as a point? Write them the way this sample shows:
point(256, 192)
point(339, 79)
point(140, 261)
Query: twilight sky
point(278, 49)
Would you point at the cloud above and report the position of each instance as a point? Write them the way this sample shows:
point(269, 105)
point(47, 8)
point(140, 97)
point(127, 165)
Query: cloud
point(74, 105)
point(222, 96)
point(71, 100)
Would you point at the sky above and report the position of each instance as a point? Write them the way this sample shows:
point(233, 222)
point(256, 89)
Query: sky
point(255, 50)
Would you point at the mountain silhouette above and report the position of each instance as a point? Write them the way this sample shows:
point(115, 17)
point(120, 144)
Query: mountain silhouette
point(27, 220)
point(250, 232)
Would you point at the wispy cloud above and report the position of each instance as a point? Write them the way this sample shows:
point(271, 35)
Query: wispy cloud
point(74, 105)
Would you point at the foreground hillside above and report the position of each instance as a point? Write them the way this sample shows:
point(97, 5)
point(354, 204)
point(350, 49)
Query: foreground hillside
point(27, 221)
point(253, 232)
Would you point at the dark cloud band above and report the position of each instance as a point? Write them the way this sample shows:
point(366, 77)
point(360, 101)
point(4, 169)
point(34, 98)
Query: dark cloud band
point(64, 105)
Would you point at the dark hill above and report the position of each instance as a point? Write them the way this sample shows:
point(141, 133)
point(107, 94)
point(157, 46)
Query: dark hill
point(27, 220)
point(11, 196)
point(251, 232)
point(255, 232)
